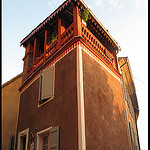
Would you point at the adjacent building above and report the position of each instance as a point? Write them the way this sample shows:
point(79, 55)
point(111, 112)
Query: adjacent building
point(132, 108)
point(10, 108)
point(73, 95)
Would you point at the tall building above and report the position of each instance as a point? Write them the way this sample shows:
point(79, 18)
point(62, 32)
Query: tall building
point(72, 95)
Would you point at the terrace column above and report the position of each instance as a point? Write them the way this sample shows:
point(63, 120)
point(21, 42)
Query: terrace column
point(35, 45)
point(76, 21)
point(45, 44)
point(61, 29)
point(36, 50)
point(59, 33)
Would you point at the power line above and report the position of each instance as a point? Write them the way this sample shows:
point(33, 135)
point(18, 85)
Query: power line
point(139, 80)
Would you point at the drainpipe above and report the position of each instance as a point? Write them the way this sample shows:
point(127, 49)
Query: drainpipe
point(35, 139)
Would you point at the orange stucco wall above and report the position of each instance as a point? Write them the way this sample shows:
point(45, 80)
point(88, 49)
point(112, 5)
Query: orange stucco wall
point(105, 118)
point(10, 107)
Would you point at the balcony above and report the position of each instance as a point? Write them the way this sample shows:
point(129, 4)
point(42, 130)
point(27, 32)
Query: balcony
point(65, 37)
point(51, 49)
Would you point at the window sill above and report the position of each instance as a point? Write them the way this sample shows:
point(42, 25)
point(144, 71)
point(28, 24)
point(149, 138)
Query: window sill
point(39, 105)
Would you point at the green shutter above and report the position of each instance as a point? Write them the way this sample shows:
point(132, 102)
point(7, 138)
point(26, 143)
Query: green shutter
point(54, 138)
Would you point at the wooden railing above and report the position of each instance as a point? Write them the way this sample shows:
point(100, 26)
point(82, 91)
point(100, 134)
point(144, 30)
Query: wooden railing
point(96, 44)
point(38, 62)
point(67, 35)
point(53, 48)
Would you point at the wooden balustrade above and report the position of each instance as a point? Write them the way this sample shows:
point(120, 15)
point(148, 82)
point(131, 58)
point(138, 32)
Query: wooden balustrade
point(67, 35)
point(52, 48)
point(96, 44)
point(39, 61)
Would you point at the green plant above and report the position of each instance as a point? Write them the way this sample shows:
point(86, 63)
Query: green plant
point(85, 14)
point(53, 36)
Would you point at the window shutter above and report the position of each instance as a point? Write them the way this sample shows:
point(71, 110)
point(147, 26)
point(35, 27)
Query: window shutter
point(47, 83)
point(54, 138)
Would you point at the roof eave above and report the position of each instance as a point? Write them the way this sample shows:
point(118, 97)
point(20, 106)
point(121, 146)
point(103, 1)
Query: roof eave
point(119, 48)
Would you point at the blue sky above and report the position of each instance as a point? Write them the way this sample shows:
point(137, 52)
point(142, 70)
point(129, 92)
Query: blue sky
point(126, 20)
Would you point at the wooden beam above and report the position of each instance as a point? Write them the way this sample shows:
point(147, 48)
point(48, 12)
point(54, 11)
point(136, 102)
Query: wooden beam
point(69, 12)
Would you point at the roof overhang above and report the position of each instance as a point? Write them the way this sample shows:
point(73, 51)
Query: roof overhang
point(57, 11)
point(105, 30)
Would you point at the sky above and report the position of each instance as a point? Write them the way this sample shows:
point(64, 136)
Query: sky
point(126, 21)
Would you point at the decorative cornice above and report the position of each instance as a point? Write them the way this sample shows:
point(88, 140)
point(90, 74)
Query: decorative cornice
point(55, 13)
point(81, 4)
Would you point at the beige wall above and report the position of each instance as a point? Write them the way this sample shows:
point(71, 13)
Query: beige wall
point(10, 109)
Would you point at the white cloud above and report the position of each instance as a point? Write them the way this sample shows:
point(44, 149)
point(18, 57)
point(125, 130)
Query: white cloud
point(52, 2)
point(99, 3)
point(120, 6)
point(113, 2)
point(140, 3)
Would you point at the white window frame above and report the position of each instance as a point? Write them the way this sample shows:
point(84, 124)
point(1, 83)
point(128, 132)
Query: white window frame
point(40, 135)
point(20, 134)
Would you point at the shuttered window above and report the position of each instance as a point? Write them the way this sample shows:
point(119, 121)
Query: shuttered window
point(46, 89)
point(54, 138)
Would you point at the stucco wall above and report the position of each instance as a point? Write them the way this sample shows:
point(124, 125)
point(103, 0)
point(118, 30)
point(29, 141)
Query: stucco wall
point(10, 108)
point(60, 111)
point(105, 122)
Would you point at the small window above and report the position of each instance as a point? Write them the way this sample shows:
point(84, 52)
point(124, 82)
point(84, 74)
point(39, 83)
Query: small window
point(12, 139)
point(48, 139)
point(23, 142)
point(46, 87)
point(45, 142)
point(23, 139)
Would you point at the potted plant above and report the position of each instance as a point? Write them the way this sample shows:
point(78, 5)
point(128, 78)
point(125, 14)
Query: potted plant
point(53, 36)
point(85, 15)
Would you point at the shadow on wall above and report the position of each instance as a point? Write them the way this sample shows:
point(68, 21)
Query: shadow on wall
point(105, 120)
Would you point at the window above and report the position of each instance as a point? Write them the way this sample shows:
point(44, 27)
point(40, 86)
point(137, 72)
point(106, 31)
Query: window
point(45, 142)
point(23, 140)
point(48, 139)
point(12, 139)
point(46, 87)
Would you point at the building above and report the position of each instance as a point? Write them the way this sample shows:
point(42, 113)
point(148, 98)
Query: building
point(72, 95)
point(130, 97)
point(10, 108)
